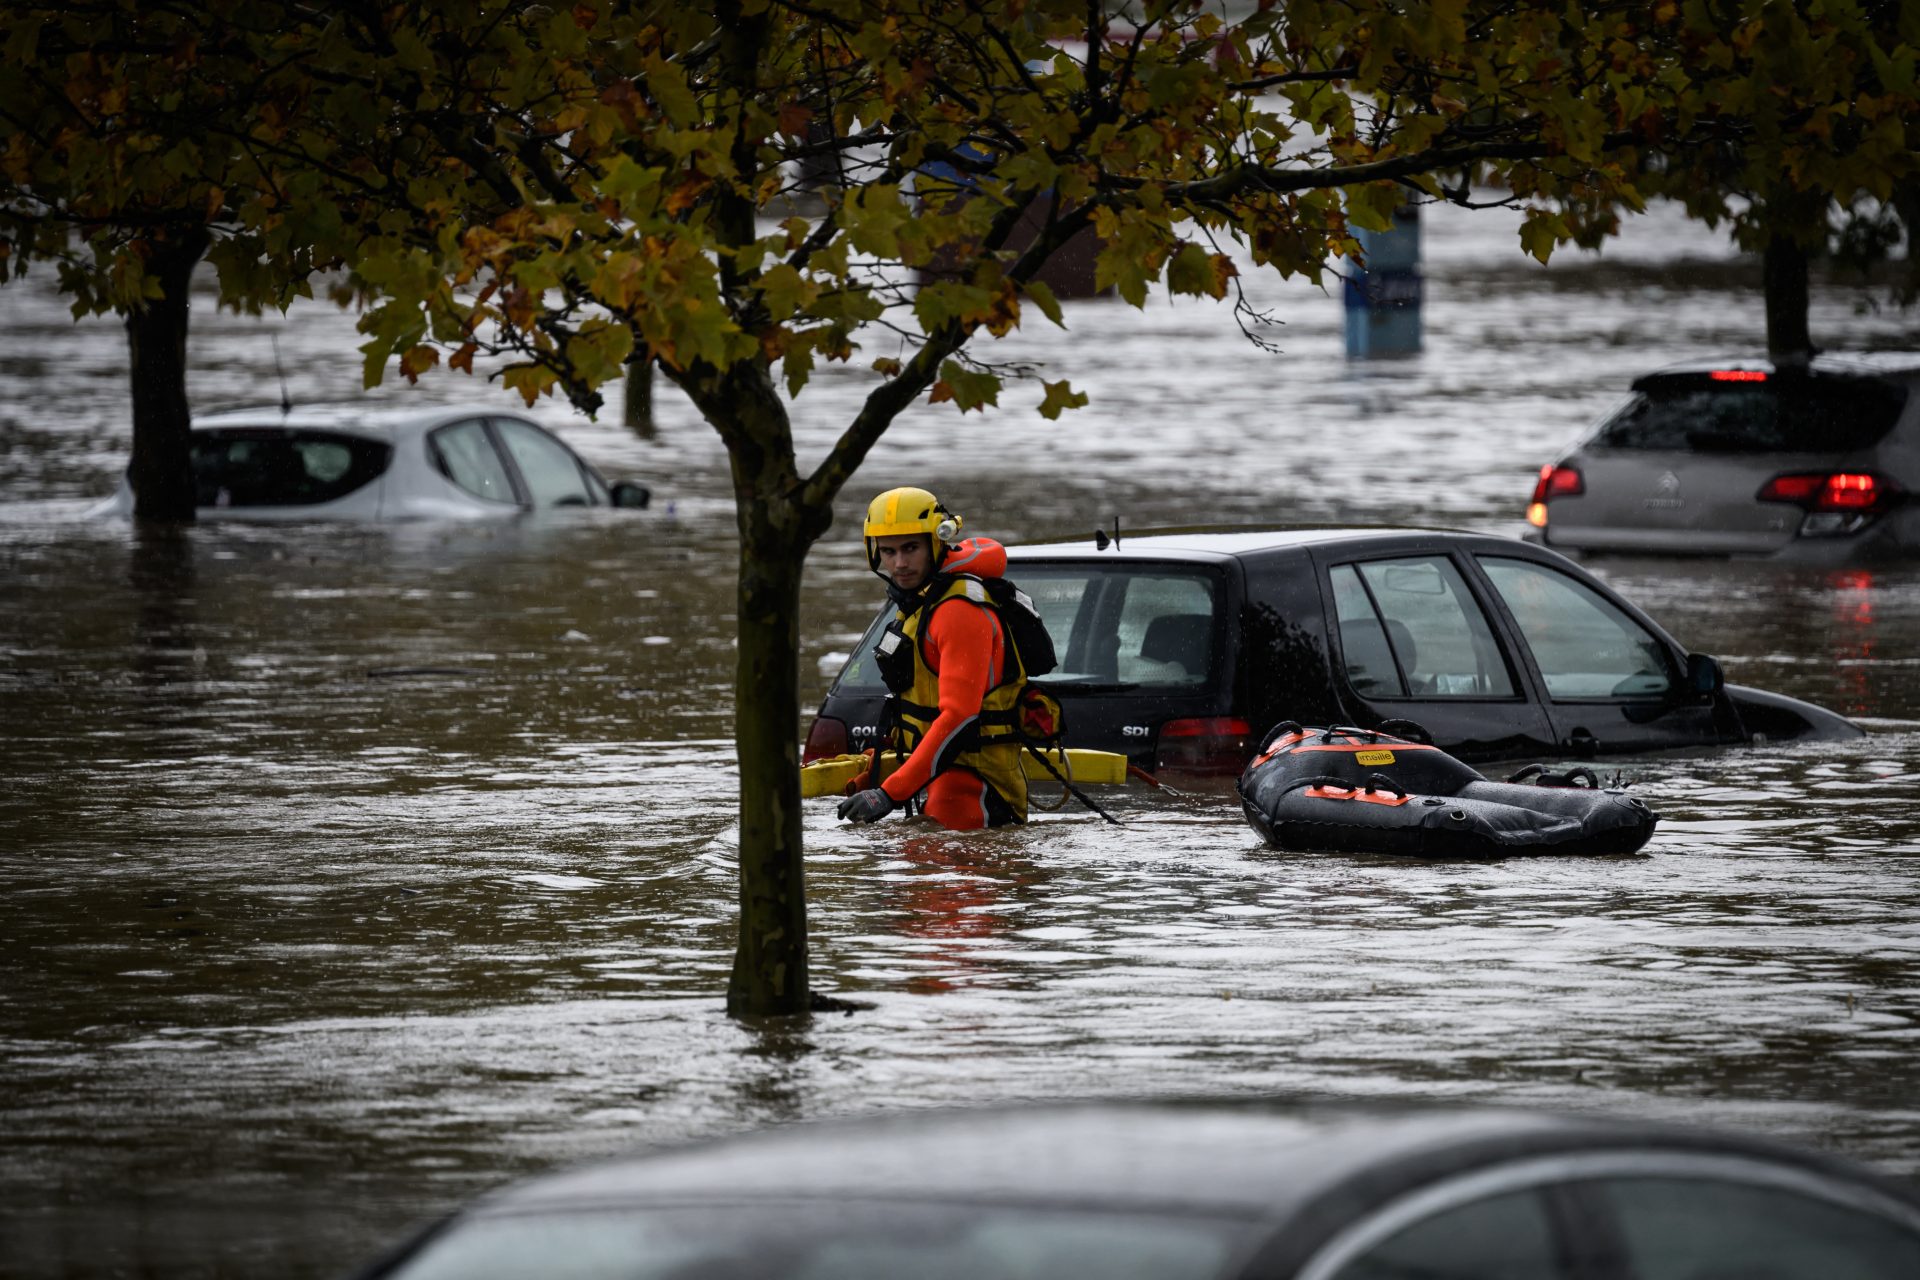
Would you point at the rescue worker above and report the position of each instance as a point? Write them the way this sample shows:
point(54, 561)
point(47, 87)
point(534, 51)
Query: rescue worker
point(954, 672)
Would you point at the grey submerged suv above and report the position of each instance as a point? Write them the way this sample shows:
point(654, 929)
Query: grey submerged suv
point(1181, 648)
point(1743, 458)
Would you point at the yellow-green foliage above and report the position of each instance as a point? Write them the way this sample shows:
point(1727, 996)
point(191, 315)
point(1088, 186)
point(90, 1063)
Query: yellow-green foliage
point(570, 184)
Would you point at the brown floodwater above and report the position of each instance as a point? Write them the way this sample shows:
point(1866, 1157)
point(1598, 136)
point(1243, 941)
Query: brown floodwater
point(347, 872)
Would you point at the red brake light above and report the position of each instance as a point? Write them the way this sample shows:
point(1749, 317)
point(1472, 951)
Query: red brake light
point(1794, 489)
point(1848, 492)
point(1209, 744)
point(827, 739)
point(1558, 482)
point(1836, 491)
point(1737, 375)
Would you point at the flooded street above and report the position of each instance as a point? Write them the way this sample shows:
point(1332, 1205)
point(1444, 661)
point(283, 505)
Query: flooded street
point(345, 873)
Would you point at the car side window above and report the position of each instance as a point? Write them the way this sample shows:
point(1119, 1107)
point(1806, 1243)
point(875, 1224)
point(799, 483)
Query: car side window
point(1586, 646)
point(1411, 628)
point(282, 468)
point(1506, 1237)
point(1701, 1229)
point(465, 455)
point(1363, 641)
point(551, 470)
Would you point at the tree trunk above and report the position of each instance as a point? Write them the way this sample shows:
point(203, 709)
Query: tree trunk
point(770, 963)
point(161, 470)
point(1784, 273)
point(637, 403)
point(777, 525)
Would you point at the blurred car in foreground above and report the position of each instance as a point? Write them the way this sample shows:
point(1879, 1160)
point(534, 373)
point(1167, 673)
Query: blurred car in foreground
point(1745, 458)
point(1185, 1191)
point(1179, 649)
point(367, 464)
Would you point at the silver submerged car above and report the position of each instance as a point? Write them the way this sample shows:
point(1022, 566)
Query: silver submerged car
point(1743, 458)
point(1192, 1191)
point(354, 463)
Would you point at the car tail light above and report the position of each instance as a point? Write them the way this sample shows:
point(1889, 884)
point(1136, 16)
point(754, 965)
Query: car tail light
point(1799, 490)
point(1831, 491)
point(1847, 491)
point(1737, 375)
point(1836, 502)
point(1554, 482)
point(827, 739)
point(1210, 744)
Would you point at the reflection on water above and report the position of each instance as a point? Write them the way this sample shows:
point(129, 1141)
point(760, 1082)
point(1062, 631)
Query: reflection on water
point(344, 873)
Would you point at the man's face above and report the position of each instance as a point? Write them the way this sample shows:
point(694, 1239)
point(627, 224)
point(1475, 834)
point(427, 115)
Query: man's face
point(907, 559)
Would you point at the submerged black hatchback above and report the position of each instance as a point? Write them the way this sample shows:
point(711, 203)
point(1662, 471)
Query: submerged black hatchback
point(1179, 648)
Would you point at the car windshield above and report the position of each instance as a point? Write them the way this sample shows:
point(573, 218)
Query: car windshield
point(1807, 414)
point(830, 1241)
point(271, 467)
point(1115, 626)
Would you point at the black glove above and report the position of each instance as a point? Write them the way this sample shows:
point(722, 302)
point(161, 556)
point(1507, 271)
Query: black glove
point(870, 805)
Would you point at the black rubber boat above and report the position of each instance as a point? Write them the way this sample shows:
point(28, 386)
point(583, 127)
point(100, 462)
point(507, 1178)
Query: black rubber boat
point(1367, 791)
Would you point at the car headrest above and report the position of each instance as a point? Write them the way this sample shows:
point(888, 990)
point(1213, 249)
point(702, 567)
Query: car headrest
point(1180, 638)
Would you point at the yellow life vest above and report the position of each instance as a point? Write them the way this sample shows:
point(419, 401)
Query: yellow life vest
point(991, 746)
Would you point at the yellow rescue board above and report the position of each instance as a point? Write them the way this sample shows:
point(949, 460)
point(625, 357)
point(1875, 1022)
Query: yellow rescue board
point(1089, 768)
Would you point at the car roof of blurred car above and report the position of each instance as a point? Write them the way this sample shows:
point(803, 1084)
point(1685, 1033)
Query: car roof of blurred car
point(1265, 1158)
point(1218, 540)
point(1885, 364)
point(370, 418)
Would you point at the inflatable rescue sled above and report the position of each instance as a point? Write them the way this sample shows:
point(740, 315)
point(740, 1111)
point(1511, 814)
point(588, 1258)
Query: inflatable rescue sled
point(1364, 791)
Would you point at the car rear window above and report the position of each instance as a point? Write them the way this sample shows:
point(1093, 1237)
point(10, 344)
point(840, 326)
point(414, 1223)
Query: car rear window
point(1120, 626)
point(822, 1239)
point(270, 467)
point(1699, 413)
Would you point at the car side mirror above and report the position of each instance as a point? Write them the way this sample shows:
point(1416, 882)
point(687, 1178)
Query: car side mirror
point(1704, 676)
point(626, 493)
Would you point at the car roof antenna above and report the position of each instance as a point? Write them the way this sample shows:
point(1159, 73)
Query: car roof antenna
point(286, 401)
point(1100, 538)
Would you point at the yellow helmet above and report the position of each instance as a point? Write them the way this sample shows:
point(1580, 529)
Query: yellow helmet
point(898, 512)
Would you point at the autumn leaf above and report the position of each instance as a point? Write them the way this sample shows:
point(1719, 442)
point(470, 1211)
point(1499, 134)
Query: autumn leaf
point(1059, 396)
point(416, 360)
point(530, 380)
point(794, 118)
point(1042, 295)
point(967, 388)
point(1538, 236)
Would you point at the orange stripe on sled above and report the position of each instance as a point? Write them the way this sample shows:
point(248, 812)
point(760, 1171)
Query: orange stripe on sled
point(1365, 797)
